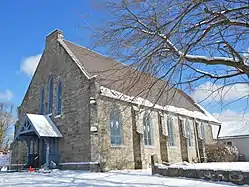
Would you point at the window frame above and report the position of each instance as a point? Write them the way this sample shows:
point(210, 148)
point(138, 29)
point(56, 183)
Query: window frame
point(42, 99)
point(203, 132)
point(188, 133)
point(50, 94)
point(116, 137)
point(59, 98)
point(171, 134)
point(148, 129)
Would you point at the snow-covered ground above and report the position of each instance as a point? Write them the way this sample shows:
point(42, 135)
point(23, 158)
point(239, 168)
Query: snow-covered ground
point(228, 166)
point(4, 160)
point(130, 178)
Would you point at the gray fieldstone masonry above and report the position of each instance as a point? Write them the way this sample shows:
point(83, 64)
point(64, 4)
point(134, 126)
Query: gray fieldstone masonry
point(84, 122)
point(74, 121)
point(236, 177)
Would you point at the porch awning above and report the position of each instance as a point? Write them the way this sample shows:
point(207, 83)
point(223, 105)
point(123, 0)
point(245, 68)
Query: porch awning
point(42, 125)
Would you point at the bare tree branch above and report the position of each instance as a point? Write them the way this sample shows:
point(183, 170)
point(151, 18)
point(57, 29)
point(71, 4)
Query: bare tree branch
point(180, 42)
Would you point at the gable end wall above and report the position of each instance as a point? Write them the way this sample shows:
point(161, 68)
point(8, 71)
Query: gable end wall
point(74, 121)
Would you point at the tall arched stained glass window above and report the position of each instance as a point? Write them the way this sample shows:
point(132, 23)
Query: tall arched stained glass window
point(147, 123)
point(50, 95)
point(115, 126)
point(171, 131)
point(42, 101)
point(188, 132)
point(59, 98)
point(203, 133)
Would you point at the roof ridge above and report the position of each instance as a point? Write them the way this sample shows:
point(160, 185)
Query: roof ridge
point(98, 54)
point(74, 58)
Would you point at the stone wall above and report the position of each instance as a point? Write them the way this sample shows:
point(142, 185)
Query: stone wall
point(132, 151)
point(163, 141)
point(125, 155)
point(74, 121)
point(236, 177)
point(155, 148)
point(192, 149)
point(115, 157)
point(174, 152)
point(209, 134)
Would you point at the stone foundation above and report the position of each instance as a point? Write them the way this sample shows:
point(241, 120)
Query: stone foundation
point(236, 177)
point(92, 167)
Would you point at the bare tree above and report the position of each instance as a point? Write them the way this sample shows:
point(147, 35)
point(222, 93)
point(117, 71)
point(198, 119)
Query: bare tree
point(6, 120)
point(184, 42)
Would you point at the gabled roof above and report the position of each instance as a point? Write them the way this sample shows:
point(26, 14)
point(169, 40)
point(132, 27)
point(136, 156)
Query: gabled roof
point(127, 80)
point(42, 125)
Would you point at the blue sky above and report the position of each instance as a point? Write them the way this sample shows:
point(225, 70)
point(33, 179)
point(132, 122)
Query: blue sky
point(24, 26)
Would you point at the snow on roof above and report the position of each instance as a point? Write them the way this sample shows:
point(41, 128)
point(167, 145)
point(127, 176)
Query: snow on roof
point(234, 128)
point(210, 116)
point(44, 126)
point(140, 101)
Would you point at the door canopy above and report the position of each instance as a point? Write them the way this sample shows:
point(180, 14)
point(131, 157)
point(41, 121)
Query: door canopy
point(41, 125)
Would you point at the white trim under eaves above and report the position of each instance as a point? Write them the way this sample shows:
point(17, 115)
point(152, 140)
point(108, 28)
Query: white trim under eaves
point(168, 108)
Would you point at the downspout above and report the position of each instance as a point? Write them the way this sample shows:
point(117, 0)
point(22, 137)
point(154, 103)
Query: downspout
point(196, 140)
point(94, 133)
point(218, 132)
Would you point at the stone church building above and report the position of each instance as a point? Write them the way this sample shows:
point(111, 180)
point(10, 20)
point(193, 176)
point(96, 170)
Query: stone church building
point(85, 111)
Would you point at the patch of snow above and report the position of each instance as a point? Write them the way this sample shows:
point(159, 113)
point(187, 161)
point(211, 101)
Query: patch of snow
point(234, 128)
point(161, 166)
point(210, 116)
point(227, 166)
point(169, 108)
point(182, 164)
point(4, 159)
point(4, 168)
point(44, 125)
point(131, 178)
point(92, 101)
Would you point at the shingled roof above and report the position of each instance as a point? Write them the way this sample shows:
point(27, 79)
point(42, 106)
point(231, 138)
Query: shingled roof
point(127, 80)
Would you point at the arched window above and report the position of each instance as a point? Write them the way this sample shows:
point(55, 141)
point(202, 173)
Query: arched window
point(171, 131)
point(203, 132)
point(147, 129)
point(59, 97)
point(115, 126)
point(188, 132)
point(50, 95)
point(42, 101)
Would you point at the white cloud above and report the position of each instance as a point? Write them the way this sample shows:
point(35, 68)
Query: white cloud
point(229, 115)
point(7, 95)
point(233, 123)
point(215, 92)
point(29, 64)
